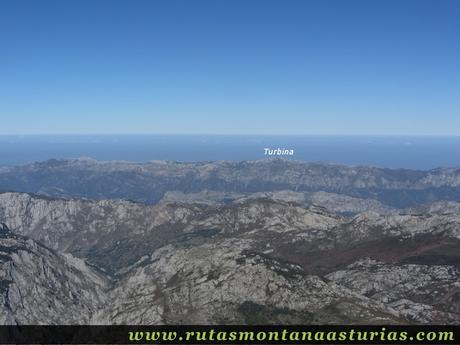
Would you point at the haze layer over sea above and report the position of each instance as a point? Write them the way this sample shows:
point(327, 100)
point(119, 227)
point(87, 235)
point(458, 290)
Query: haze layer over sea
point(414, 152)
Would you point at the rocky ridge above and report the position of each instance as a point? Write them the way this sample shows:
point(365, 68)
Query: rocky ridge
point(39, 286)
point(188, 262)
point(148, 182)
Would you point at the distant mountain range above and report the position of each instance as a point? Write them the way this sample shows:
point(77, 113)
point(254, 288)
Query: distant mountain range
point(148, 182)
point(317, 249)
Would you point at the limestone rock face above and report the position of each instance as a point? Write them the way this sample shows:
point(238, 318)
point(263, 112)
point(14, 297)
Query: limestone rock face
point(271, 258)
point(224, 282)
point(38, 286)
point(409, 289)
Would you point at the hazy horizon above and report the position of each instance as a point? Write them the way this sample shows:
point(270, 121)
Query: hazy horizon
point(414, 152)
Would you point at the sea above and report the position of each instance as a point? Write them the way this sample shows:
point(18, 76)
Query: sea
point(410, 152)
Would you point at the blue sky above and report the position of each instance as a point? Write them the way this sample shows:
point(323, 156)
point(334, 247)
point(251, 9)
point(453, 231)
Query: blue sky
point(250, 67)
